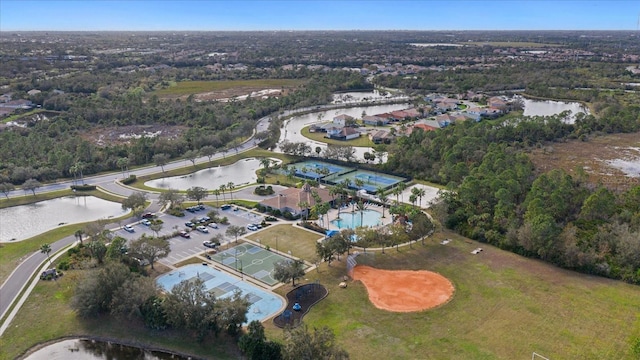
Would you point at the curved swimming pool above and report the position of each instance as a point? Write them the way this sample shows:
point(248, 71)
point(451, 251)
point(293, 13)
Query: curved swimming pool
point(352, 220)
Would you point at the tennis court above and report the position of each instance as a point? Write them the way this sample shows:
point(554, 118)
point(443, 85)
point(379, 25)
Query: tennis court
point(371, 180)
point(316, 170)
point(263, 303)
point(254, 261)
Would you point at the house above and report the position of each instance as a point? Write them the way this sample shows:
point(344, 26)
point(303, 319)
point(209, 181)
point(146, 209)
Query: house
point(346, 133)
point(374, 120)
point(17, 104)
point(291, 199)
point(5, 98)
point(445, 119)
point(380, 137)
point(33, 92)
point(496, 102)
point(400, 115)
point(446, 104)
point(343, 120)
point(423, 127)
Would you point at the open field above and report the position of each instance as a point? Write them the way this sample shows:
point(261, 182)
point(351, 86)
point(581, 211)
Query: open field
point(504, 307)
point(226, 88)
point(301, 242)
point(46, 316)
point(516, 44)
point(596, 157)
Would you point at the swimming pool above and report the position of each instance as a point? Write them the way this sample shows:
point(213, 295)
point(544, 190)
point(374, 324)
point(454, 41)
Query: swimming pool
point(264, 304)
point(352, 220)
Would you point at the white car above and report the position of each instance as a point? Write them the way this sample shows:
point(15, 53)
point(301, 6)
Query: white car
point(202, 229)
point(128, 228)
point(252, 227)
point(213, 225)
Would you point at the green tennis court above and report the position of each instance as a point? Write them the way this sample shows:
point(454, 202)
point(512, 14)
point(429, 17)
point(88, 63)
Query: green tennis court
point(253, 261)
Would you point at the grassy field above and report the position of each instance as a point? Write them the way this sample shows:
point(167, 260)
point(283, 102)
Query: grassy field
point(362, 141)
point(520, 44)
point(504, 307)
point(301, 242)
point(197, 87)
point(46, 316)
point(576, 154)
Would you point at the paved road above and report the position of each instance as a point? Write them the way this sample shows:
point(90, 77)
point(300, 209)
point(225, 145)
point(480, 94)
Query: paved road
point(12, 287)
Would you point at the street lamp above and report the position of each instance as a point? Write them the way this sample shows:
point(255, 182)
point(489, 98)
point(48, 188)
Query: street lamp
point(241, 273)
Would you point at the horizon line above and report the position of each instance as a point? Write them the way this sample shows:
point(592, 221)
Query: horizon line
point(308, 30)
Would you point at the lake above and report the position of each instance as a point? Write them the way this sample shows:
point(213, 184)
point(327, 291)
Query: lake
point(240, 173)
point(83, 349)
point(294, 125)
point(25, 221)
point(552, 107)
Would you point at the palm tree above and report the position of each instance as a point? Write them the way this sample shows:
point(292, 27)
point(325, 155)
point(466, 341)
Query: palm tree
point(216, 193)
point(78, 235)
point(402, 186)
point(421, 192)
point(382, 195)
point(46, 249)
point(361, 206)
point(223, 187)
point(122, 164)
point(231, 186)
point(73, 169)
point(304, 206)
point(265, 163)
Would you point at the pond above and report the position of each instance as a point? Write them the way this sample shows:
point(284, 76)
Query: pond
point(294, 125)
point(25, 221)
point(240, 173)
point(83, 349)
point(552, 107)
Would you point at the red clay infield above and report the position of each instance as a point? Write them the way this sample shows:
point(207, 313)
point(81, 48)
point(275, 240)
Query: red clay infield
point(404, 290)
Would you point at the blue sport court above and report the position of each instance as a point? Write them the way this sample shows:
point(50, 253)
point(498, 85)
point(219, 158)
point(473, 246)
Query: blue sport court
point(264, 304)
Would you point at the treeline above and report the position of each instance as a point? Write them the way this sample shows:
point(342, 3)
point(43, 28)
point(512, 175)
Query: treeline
point(512, 75)
point(497, 198)
point(49, 149)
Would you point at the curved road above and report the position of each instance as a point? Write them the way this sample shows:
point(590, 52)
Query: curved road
point(19, 278)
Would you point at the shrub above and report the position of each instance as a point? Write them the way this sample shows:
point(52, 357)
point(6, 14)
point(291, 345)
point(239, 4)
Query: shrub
point(130, 180)
point(64, 264)
point(84, 187)
point(175, 212)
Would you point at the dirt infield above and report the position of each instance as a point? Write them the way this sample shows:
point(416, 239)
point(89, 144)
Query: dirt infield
point(404, 290)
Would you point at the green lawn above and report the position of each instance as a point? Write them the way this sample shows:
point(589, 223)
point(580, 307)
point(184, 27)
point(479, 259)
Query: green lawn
point(196, 87)
point(504, 307)
point(301, 242)
point(46, 316)
point(362, 141)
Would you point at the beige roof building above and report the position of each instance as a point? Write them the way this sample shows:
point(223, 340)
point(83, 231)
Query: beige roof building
point(290, 199)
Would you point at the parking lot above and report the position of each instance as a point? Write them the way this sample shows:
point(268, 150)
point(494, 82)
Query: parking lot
point(182, 248)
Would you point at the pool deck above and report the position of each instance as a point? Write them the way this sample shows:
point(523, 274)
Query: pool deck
point(333, 214)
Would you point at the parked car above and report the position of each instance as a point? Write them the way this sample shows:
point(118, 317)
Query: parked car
point(189, 224)
point(252, 227)
point(185, 234)
point(147, 215)
point(213, 225)
point(128, 228)
point(202, 228)
point(209, 244)
point(200, 207)
point(225, 207)
point(146, 222)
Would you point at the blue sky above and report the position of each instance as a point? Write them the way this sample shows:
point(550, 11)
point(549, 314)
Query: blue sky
point(318, 15)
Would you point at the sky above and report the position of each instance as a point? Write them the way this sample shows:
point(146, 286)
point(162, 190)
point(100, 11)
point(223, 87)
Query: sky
point(246, 15)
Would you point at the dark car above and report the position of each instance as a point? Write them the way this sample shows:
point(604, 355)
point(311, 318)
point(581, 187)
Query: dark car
point(185, 234)
point(189, 224)
point(147, 215)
